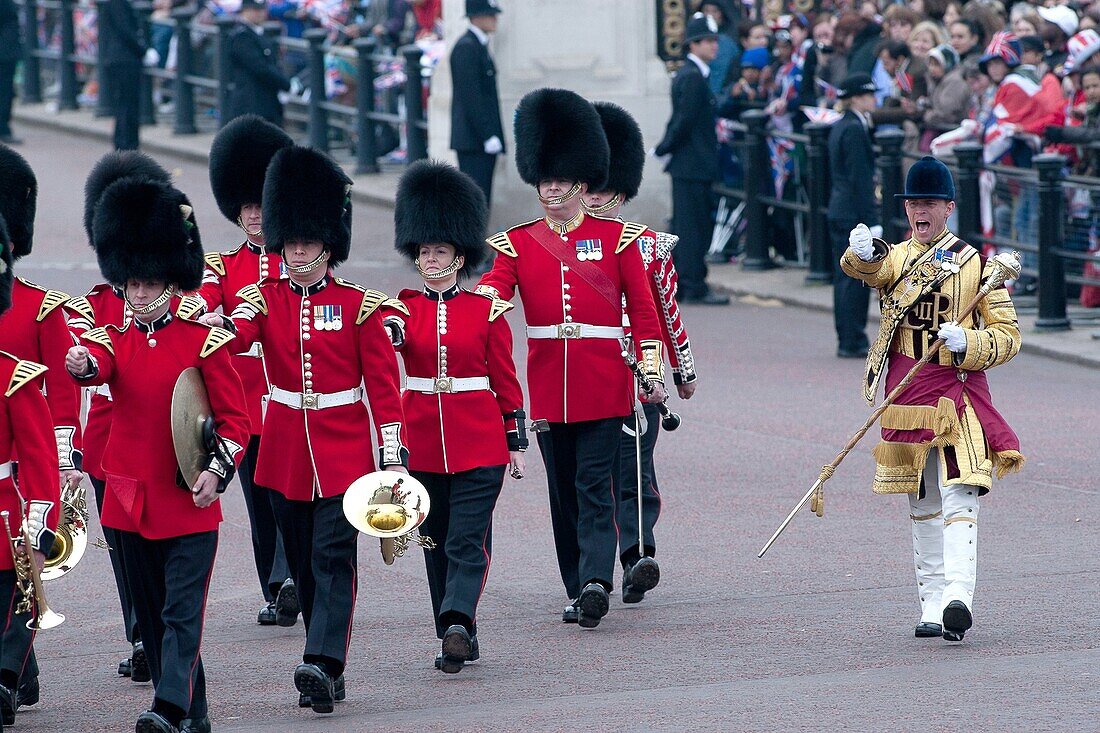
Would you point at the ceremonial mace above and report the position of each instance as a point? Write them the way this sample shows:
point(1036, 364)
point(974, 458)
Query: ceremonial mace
point(669, 419)
point(1005, 266)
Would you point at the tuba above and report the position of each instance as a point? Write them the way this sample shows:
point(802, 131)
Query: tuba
point(29, 581)
point(389, 505)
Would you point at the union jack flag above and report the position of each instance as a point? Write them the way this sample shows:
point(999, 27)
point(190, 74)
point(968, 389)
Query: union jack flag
point(779, 154)
point(828, 90)
point(1006, 46)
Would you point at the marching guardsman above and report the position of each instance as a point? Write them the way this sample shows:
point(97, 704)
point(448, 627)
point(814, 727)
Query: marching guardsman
point(325, 349)
point(463, 403)
point(35, 329)
point(26, 432)
point(105, 305)
point(239, 157)
point(147, 245)
point(942, 440)
point(641, 572)
point(572, 271)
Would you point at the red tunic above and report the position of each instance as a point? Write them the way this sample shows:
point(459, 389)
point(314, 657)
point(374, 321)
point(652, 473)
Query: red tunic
point(35, 329)
point(656, 251)
point(573, 380)
point(324, 339)
point(139, 461)
point(225, 275)
point(25, 428)
point(105, 306)
point(458, 335)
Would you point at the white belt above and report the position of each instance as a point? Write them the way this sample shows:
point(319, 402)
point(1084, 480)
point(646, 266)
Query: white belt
point(435, 385)
point(102, 389)
point(575, 331)
point(316, 400)
point(5, 470)
point(256, 350)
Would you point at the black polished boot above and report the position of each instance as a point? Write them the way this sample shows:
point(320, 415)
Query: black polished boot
point(957, 620)
point(339, 693)
point(642, 576)
point(927, 630)
point(287, 607)
point(457, 646)
point(312, 680)
point(266, 616)
point(139, 665)
point(570, 614)
point(151, 722)
point(592, 605)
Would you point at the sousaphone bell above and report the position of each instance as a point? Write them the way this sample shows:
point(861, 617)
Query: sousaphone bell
point(389, 505)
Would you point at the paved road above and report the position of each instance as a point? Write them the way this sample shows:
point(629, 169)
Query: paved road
point(818, 636)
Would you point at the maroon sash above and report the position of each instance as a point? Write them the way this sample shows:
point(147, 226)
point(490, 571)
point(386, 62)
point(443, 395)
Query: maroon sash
point(588, 271)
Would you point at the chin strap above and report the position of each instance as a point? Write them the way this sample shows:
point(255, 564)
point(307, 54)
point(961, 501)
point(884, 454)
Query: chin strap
point(161, 300)
point(309, 266)
point(603, 209)
point(559, 200)
point(445, 272)
point(256, 233)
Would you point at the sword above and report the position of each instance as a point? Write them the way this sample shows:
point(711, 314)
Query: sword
point(1004, 266)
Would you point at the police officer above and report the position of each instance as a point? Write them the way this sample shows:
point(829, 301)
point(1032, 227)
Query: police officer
point(326, 348)
point(255, 79)
point(34, 329)
point(692, 143)
point(147, 244)
point(572, 271)
point(477, 135)
point(463, 403)
point(851, 201)
point(641, 572)
point(25, 431)
point(239, 157)
point(122, 51)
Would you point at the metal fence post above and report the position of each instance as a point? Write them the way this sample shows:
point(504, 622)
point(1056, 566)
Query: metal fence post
point(1052, 279)
point(185, 95)
point(366, 159)
point(148, 116)
point(318, 116)
point(817, 180)
point(225, 25)
point(968, 193)
point(103, 99)
point(755, 160)
point(415, 133)
point(66, 67)
point(889, 173)
point(32, 71)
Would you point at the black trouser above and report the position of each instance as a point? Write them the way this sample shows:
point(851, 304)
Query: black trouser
point(267, 541)
point(461, 523)
point(16, 653)
point(693, 223)
point(581, 461)
point(851, 298)
point(480, 167)
point(124, 88)
point(7, 95)
point(169, 580)
point(118, 565)
point(321, 551)
point(627, 488)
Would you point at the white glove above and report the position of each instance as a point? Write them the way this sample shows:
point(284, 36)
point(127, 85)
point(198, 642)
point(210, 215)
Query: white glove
point(954, 337)
point(152, 57)
point(296, 86)
point(493, 146)
point(860, 241)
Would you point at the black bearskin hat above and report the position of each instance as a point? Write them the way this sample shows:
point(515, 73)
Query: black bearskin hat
point(438, 203)
point(145, 229)
point(110, 168)
point(18, 195)
point(307, 197)
point(239, 157)
point(624, 138)
point(7, 277)
point(559, 135)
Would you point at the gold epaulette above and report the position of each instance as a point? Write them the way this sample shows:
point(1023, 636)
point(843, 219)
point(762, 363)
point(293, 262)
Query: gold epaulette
point(25, 372)
point(251, 294)
point(349, 284)
point(501, 243)
point(372, 299)
point(498, 307)
point(101, 337)
point(398, 305)
point(83, 308)
point(217, 338)
point(214, 262)
point(631, 231)
point(50, 302)
point(190, 306)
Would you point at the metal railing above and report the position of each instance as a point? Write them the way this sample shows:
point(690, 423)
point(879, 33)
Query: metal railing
point(1042, 205)
point(199, 85)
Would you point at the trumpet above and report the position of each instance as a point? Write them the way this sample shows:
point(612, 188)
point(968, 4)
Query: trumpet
point(29, 580)
point(389, 505)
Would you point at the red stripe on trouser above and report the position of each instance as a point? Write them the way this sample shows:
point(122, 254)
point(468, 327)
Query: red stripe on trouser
point(351, 616)
point(202, 626)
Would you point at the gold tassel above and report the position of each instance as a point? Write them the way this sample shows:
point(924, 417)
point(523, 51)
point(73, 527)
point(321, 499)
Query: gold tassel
point(900, 455)
point(943, 419)
point(1008, 461)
